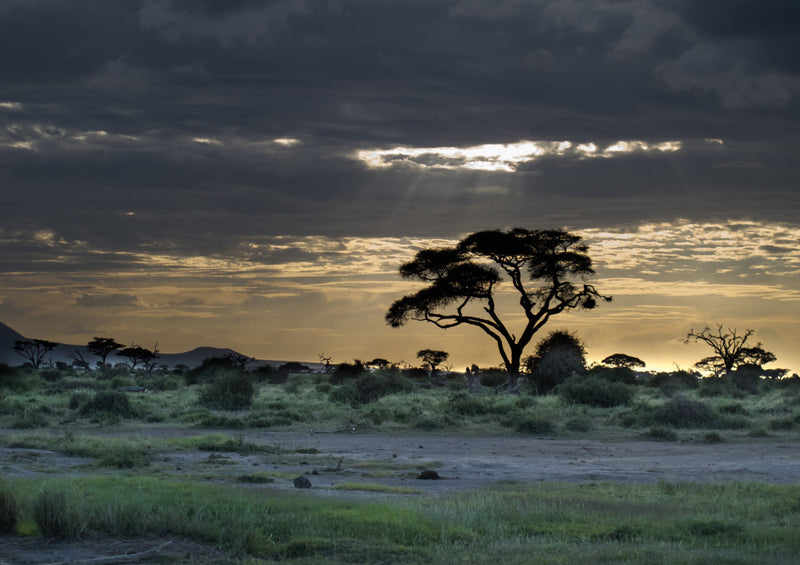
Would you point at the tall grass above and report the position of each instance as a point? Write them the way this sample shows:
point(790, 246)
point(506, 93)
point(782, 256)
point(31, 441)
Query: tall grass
point(541, 523)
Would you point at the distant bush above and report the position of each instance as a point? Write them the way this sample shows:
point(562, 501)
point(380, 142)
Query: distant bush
point(672, 381)
point(32, 417)
point(18, 379)
point(50, 375)
point(269, 374)
point(210, 369)
point(369, 387)
point(345, 371)
point(682, 412)
point(534, 425)
point(232, 390)
point(614, 374)
point(594, 391)
point(465, 404)
point(107, 402)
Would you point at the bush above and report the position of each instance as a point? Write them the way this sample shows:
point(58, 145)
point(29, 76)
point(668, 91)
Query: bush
point(346, 371)
point(9, 511)
point(31, 417)
point(614, 374)
point(682, 412)
point(534, 425)
point(108, 403)
point(232, 390)
point(59, 516)
point(595, 392)
point(465, 404)
point(673, 381)
point(369, 387)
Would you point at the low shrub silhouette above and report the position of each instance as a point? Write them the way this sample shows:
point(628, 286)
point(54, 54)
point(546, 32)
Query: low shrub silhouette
point(230, 390)
point(594, 391)
point(682, 412)
point(107, 403)
point(369, 387)
point(614, 374)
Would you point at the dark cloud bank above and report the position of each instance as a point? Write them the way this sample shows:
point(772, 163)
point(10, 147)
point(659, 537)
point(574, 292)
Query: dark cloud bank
point(198, 123)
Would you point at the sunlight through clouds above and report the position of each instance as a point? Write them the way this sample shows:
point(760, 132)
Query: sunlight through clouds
point(502, 157)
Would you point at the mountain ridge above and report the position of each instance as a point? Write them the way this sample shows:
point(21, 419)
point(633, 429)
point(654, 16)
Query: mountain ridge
point(62, 352)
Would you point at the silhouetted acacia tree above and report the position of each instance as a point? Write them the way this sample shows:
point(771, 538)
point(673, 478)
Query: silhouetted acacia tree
point(137, 354)
point(558, 356)
point(103, 347)
point(729, 350)
point(34, 350)
point(548, 269)
point(622, 361)
point(432, 357)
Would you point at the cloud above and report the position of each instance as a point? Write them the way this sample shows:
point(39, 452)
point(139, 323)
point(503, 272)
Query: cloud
point(505, 157)
point(114, 300)
point(252, 23)
point(732, 74)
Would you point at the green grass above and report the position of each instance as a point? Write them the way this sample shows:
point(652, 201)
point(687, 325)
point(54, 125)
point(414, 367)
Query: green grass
point(541, 523)
point(377, 487)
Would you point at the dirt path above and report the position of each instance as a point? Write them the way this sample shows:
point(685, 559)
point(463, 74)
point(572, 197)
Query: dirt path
point(470, 462)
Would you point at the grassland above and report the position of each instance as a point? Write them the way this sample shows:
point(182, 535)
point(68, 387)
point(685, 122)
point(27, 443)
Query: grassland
point(126, 483)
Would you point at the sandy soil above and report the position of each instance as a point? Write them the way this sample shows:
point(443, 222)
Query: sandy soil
point(462, 462)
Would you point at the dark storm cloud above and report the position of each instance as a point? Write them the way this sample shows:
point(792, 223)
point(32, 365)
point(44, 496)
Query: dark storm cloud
point(133, 122)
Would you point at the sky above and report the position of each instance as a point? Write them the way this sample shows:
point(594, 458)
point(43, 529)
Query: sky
point(251, 174)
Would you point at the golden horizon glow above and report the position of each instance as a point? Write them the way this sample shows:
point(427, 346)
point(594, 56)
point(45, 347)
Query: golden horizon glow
point(665, 278)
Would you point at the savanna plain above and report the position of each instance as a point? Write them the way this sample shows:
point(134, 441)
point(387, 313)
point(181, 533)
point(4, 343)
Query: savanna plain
point(202, 465)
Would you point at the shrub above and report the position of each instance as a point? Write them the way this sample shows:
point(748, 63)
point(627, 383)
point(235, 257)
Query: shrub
point(369, 387)
point(673, 381)
point(534, 425)
point(594, 391)
point(59, 516)
point(232, 390)
point(465, 404)
point(31, 417)
point(109, 403)
point(9, 510)
point(614, 374)
point(345, 371)
point(683, 412)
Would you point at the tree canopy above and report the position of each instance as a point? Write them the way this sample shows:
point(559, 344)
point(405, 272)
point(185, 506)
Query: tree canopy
point(729, 350)
point(548, 270)
point(34, 350)
point(621, 360)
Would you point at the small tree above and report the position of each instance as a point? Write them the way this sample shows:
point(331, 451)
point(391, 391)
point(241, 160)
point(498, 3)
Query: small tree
point(137, 354)
point(622, 361)
point(548, 269)
point(103, 347)
point(729, 350)
point(432, 358)
point(34, 350)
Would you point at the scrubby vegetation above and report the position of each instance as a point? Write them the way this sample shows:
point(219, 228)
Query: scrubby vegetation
point(599, 400)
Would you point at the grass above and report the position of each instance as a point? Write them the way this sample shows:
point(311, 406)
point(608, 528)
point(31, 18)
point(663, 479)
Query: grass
point(377, 487)
point(541, 523)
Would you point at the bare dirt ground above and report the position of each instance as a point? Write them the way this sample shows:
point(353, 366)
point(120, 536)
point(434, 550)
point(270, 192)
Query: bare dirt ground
point(463, 463)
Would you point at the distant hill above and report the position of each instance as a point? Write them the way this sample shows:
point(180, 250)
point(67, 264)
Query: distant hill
point(63, 351)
